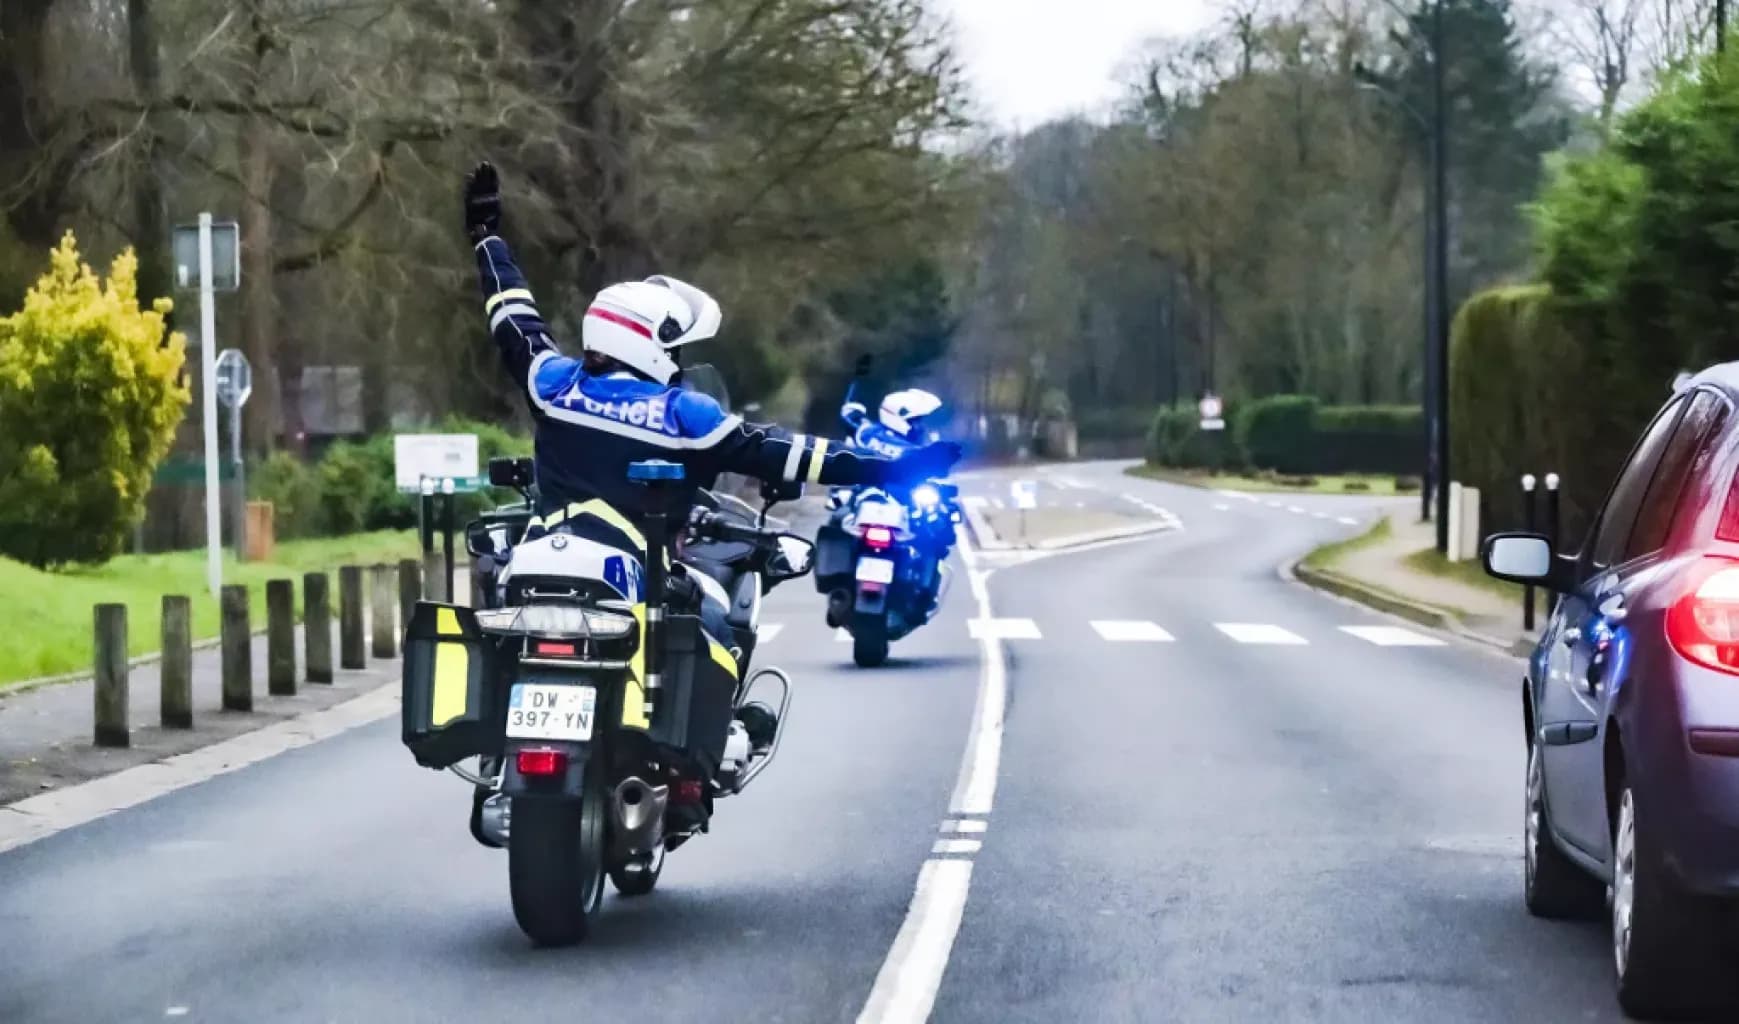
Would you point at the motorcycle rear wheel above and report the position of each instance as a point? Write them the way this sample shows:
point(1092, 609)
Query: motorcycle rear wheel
point(869, 640)
point(555, 865)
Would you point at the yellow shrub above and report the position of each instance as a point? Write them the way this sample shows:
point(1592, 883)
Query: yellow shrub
point(90, 394)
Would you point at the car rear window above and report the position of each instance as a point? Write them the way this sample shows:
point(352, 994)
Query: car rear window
point(1696, 430)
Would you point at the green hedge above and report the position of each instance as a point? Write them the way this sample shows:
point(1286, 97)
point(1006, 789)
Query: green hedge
point(1370, 439)
point(350, 489)
point(1279, 433)
point(1175, 438)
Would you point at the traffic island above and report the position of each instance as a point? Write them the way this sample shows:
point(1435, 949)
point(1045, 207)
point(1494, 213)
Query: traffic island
point(1394, 568)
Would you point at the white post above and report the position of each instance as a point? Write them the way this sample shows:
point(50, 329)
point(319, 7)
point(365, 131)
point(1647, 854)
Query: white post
point(208, 366)
point(1456, 509)
point(1470, 523)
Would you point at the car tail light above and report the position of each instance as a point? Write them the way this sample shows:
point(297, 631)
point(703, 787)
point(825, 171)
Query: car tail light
point(541, 762)
point(1703, 624)
point(878, 538)
point(1728, 527)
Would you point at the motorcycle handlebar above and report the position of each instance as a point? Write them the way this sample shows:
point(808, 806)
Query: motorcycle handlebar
point(711, 526)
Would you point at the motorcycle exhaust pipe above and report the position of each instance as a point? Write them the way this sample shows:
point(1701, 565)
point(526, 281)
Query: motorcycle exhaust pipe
point(639, 811)
point(496, 818)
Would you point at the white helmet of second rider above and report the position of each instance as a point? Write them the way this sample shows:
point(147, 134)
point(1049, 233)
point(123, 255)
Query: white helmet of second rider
point(639, 323)
point(903, 411)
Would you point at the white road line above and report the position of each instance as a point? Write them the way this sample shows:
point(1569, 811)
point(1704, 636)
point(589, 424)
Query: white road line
point(905, 987)
point(1295, 510)
point(1258, 633)
point(1004, 629)
point(974, 500)
point(1222, 508)
point(957, 846)
point(767, 631)
point(1392, 636)
point(1274, 504)
point(1240, 495)
point(1132, 632)
point(1347, 521)
point(1319, 515)
point(965, 825)
point(998, 503)
point(842, 635)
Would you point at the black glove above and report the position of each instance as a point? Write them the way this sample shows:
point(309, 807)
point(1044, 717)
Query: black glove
point(482, 202)
point(932, 460)
point(864, 362)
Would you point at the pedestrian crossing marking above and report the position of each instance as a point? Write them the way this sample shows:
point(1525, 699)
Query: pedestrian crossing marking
point(1132, 632)
point(1392, 636)
point(957, 846)
point(1003, 629)
point(965, 826)
point(1259, 633)
point(842, 635)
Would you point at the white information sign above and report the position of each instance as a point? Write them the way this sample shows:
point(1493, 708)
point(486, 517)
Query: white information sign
point(1212, 411)
point(436, 456)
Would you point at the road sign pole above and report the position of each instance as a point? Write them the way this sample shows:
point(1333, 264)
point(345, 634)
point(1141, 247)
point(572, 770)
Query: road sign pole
point(240, 511)
point(447, 537)
point(208, 370)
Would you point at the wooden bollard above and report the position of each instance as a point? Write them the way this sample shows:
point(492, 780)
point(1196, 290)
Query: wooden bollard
point(237, 642)
point(350, 650)
point(410, 587)
point(435, 587)
point(175, 673)
point(110, 662)
point(281, 638)
point(381, 606)
point(317, 627)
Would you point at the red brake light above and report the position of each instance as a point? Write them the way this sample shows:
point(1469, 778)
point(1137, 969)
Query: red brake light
point(559, 650)
point(542, 762)
point(878, 537)
point(1703, 624)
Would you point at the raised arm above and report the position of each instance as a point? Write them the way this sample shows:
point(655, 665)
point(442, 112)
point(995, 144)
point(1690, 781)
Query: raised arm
point(515, 324)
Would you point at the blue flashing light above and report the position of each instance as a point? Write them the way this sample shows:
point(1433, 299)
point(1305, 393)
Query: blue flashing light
point(654, 470)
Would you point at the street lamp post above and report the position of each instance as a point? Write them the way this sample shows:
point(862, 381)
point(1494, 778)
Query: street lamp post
point(1434, 317)
point(1440, 268)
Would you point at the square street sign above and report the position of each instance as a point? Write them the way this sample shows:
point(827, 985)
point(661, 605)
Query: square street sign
point(226, 256)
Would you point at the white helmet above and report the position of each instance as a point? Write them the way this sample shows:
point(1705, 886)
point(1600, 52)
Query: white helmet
point(902, 410)
point(638, 323)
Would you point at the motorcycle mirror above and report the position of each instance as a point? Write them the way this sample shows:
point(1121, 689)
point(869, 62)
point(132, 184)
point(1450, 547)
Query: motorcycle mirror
point(795, 557)
point(510, 472)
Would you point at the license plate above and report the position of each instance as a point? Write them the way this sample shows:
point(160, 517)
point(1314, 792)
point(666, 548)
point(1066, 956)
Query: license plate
point(539, 711)
point(875, 570)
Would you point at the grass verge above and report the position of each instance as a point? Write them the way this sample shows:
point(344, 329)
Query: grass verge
point(1326, 556)
point(1382, 486)
point(51, 611)
point(1430, 562)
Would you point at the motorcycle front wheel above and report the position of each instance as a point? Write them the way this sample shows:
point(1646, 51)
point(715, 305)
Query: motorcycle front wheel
point(869, 640)
point(555, 864)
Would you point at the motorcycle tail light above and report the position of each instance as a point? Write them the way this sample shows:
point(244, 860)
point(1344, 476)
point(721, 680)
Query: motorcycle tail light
point(878, 538)
point(541, 763)
point(1703, 624)
point(687, 791)
point(556, 650)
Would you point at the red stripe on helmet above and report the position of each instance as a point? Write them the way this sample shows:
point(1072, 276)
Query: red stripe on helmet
point(620, 320)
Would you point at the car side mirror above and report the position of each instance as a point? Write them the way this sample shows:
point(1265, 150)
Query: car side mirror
point(1525, 558)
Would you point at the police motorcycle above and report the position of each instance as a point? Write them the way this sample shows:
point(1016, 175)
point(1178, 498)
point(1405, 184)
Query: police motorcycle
point(605, 723)
point(881, 561)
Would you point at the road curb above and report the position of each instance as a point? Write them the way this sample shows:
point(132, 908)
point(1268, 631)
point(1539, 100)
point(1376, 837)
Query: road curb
point(33, 818)
point(1339, 585)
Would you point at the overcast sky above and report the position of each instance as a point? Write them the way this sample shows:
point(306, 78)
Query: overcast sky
point(1032, 60)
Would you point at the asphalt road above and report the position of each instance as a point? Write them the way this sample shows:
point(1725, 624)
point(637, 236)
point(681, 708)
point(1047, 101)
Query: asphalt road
point(1243, 813)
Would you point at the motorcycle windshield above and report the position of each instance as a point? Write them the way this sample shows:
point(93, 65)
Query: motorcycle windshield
point(705, 379)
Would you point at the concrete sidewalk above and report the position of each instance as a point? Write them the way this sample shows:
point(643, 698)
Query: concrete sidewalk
point(1382, 577)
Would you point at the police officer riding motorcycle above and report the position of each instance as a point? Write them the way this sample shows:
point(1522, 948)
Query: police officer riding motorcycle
point(602, 683)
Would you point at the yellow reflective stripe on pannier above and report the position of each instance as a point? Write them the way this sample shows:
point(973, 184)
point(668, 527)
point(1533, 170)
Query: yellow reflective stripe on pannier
point(634, 689)
point(817, 458)
point(452, 672)
point(721, 656)
point(498, 298)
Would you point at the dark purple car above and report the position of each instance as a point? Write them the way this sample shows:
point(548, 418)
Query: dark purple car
point(1631, 708)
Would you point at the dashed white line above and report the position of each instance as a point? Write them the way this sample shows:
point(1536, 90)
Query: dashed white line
point(1295, 510)
point(768, 631)
point(1222, 508)
point(1392, 636)
point(1004, 629)
point(842, 635)
point(957, 846)
point(1347, 521)
point(1118, 631)
point(1258, 633)
point(966, 826)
